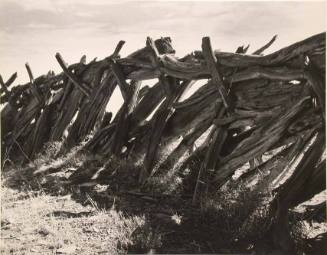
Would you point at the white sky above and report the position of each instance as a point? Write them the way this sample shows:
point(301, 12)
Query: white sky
point(34, 31)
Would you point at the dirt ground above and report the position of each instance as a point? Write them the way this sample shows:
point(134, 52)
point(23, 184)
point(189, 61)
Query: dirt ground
point(36, 223)
point(50, 216)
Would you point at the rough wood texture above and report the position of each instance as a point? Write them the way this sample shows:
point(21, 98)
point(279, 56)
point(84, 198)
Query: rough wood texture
point(254, 104)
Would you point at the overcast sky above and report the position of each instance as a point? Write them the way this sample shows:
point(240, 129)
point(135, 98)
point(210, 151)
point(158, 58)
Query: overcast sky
point(34, 31)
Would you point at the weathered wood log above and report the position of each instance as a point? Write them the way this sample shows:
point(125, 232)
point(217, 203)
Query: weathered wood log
point(68, 110)
point(82, 86)
point(217, 138)
point(73, 100)
point(121, 133)
point(118, 48)
point(89, 112)
point(213, 66)
point(41, 131)
point(197, 69)
point(264, 95)
point(116, 70)
point(264, 176)
point(93, 110)
point(185, 145)
point(266, 46)
point(5, 85)
point(100, 139)
point(34, 89)
point(218, 134)
point(257, 142)
point(137, 118)
point(316, 81)
point(288, 191)
point(283, 55)
point(160, 120)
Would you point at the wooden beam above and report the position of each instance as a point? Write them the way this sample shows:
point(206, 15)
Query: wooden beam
point(162, 78)
point(118, 72)
point(217, 138)
point(317, 83)
point(5, 85)
point(120, 77)
point(158, 125)
point(261, 140)
point(119, 46)
point(150, 43)
point(271, 73)
point(266, 46)
point(80, 85)
point(34, 89)
point(123, 126)
point(212, 64)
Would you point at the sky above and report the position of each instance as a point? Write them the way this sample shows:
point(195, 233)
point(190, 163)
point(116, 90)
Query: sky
point(34, 30)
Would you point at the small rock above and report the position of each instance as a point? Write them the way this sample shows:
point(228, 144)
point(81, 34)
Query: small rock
point(66, 249)
point(44, 231)
point(5, 223)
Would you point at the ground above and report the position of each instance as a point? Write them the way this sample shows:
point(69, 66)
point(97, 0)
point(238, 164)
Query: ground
point(43, 224)
point(40, 223)
point(46, 214)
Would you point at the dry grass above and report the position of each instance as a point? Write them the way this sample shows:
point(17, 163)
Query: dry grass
point(42, 224)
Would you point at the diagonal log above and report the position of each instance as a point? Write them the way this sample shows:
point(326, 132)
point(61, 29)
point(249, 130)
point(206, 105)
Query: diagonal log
point(116, 70)
point(80, 85)
point(121, 133)
point(118, 48)
point(287, 194)
point(5, 85)
point(7, 94)
point(266, 46)
point(185, 145)
point(304, 172)
point(216, 138)
point(261, 140)
point(159, 123)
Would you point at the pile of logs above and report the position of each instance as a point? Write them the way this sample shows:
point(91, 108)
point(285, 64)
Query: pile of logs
point(250, 105)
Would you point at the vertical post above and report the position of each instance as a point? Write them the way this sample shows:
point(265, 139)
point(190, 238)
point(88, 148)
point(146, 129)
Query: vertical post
point(34, 89)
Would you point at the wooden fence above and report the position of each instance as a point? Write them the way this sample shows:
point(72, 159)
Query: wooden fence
point(250, 105)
